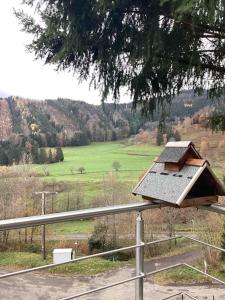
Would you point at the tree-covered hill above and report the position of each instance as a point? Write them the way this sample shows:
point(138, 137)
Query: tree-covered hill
point(65, 122)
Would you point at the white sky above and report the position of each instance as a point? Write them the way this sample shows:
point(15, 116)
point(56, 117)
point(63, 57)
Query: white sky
point(21, 75)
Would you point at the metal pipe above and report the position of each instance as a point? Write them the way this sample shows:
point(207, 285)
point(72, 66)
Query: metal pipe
point(143, 276)
point(88, 213)
point(164, 240)
point(139, 256)
point(163, 269)
point(103, 254)
point(213, 208)
point(21, 272)
point(182, 295)
point(74, 215)
point(103, 287)
point(186, 265)
point(97, 212)
point(204, 243)
point(71, 261)
point(119, 282)
point(172, 296)
point(191, 297)
point(204, 273)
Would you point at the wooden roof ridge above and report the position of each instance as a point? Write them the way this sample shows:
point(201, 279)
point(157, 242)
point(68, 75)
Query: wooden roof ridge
point(179, 144)
point(196, 151)
point(198, 162)
point(176, 151)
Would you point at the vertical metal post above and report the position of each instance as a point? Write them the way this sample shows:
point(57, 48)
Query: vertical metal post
point(43, 248)
point(139, 256)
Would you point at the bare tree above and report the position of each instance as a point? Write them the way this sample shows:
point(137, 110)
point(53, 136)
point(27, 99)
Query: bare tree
point(81, 170)
point(17, 186)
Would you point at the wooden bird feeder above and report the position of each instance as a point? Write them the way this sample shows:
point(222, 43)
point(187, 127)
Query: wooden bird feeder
point(180, 177)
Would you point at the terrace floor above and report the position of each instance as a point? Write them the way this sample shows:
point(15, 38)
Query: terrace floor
point(44, 286)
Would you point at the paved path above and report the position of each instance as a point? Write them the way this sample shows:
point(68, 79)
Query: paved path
point(46, 287)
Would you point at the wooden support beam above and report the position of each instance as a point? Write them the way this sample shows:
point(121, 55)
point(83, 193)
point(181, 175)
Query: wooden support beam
point(195, 202)
point(195, 162)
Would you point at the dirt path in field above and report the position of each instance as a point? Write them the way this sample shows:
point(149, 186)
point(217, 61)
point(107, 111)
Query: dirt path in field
point(45, 287)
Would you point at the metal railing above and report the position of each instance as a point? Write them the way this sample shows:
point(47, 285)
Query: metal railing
point(182, 296)
point(139, 246)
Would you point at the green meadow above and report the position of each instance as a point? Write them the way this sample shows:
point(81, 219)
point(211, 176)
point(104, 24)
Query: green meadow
point(97, 160)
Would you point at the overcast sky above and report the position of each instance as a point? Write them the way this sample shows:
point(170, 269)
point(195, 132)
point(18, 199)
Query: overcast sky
point(21, 75)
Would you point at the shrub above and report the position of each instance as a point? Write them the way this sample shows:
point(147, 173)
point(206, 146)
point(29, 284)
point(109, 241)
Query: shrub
point(116, 166)
point(97, 241)
point(81, 170)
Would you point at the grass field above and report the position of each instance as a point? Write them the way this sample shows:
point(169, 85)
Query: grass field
point(97, 160)
point(72, 227)
point(20, 260)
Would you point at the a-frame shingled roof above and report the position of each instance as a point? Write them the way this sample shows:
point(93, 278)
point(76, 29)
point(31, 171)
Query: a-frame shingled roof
point(173, 187)
point(171, 154)
point(175, 151)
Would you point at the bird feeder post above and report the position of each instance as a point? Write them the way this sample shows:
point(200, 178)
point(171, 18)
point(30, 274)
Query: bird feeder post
point(139, 256)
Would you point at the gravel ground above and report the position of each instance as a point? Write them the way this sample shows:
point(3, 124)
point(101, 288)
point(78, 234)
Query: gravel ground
point(46, 287)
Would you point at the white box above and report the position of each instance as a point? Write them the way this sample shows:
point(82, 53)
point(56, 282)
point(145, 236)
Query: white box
point(62, 255)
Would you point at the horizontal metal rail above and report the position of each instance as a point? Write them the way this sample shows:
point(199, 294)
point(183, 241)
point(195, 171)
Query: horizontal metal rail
point(108, 253)
point(99, 212)
point(103, 287)
point(204, 273)
point(59, 217)
point(119, 282)
point(219, 209)
point(88, 213)
point(189, 296)
point(172, 296)
point(74, 215)
point(180, 294)
point(21, 272)
point(203, 243)
point(144, 275)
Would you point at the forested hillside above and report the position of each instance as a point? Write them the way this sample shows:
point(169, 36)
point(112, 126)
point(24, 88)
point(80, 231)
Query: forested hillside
point(64, 122)
point(30, 125)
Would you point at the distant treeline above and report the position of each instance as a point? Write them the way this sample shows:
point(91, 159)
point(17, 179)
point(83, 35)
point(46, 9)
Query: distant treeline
point(22, 150)
point(63, 122)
